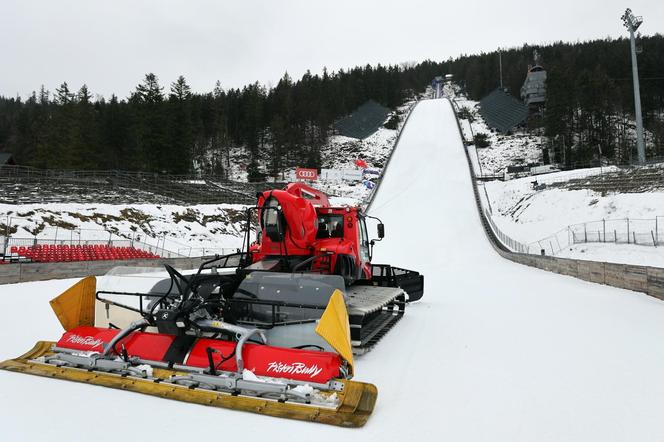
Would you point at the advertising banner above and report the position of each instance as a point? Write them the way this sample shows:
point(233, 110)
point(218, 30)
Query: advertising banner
point(306, 174)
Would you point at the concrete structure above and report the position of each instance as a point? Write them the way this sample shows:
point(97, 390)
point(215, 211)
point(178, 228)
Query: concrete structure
point(533, 91)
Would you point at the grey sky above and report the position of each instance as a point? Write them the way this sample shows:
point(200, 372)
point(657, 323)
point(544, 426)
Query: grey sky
point(110, 45)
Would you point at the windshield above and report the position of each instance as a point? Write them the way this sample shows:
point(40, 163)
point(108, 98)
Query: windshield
point(364, 241)
point(330, 226)
point(270, 213)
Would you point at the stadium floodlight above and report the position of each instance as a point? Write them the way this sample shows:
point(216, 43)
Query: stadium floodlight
point(632, 23)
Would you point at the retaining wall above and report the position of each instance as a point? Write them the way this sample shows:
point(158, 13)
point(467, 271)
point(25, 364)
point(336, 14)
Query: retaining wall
point(14, 273)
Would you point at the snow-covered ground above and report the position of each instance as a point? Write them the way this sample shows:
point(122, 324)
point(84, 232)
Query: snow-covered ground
point(338, 153)
point(616, 253)
point(539, 210)
point(530, 214)
point(195, 230)
point(494, 352)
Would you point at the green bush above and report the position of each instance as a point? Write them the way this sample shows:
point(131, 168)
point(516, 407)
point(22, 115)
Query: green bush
point(465, 114)
point(482, 140)
point(393, 122)
point(254, 174)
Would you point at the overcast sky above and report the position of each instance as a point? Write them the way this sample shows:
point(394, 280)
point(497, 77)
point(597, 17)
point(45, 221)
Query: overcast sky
point(110, 45)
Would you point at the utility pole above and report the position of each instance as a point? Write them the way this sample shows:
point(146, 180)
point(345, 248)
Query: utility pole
point(500, 63)
point(632, 23)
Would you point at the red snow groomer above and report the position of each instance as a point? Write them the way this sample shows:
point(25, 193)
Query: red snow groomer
point(302, 234)
point(271, 330)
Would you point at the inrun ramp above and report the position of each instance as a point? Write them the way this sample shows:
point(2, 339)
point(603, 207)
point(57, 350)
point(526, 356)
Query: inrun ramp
point(495, 351)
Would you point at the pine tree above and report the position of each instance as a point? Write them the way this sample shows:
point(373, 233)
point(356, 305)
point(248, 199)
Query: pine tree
point(152, 148)
point(180, 139)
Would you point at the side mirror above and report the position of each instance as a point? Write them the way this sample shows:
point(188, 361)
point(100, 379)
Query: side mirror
point(381, 231)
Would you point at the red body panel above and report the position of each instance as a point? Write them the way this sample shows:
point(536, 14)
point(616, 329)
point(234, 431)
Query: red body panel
point(302, 206)
point(263, 360)
point(278, 362)
point(301, 218)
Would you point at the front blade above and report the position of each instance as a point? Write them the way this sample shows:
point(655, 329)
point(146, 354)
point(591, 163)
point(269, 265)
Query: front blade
point(76, 306)
point(335, 328)
point(356, 401)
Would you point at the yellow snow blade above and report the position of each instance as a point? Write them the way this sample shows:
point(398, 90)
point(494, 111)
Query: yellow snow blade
point(334, 327)
point(76, 306)
point(356, 400)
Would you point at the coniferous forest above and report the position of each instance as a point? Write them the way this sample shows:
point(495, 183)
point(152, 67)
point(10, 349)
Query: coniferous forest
point(167, 128)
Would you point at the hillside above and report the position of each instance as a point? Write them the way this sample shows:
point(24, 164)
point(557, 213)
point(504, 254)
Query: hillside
point(611, 214)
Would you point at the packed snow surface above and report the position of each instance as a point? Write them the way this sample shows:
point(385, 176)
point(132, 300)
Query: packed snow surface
point(617, 253)
point(495, 351)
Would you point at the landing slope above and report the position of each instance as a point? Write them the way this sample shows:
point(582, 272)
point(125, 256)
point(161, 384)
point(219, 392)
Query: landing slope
point(494, 352)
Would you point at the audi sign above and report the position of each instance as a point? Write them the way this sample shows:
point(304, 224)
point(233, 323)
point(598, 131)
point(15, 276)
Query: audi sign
point(306, 174)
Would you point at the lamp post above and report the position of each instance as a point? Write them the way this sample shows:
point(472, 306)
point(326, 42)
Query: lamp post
point(632, 23)
point(500, 63)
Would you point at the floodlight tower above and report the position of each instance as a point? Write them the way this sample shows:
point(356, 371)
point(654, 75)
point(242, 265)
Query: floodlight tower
point(632, 23)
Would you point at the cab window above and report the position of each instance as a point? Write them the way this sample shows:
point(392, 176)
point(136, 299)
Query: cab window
point(364, 241)
point(330, 226)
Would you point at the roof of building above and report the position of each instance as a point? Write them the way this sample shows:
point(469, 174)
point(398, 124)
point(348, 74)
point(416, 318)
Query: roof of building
point(502, 111)
point(363, 121)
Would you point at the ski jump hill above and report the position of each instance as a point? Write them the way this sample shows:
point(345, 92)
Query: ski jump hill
point(495, 351)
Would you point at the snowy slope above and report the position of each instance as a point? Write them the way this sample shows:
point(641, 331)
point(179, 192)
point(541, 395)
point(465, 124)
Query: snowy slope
point(530, 215)
point(494, 352)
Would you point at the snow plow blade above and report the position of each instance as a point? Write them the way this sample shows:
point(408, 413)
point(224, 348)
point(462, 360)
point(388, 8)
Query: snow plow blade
point(356, 400)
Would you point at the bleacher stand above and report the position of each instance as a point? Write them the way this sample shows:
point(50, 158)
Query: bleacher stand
point(66, 253)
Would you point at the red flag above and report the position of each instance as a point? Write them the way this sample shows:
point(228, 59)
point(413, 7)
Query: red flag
point(361, 164)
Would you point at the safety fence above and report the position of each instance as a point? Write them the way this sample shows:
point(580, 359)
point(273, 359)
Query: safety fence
point(642, 232)
point(509, 242)
point(205, 251)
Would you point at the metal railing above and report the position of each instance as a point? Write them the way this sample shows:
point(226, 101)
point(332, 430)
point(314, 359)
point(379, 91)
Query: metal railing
point(508, 241)
point(157, 248)
point(56, 235)
point(642, 232)
point(197, 252)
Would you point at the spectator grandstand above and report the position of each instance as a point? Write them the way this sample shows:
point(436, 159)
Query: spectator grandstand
point(74, 253)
